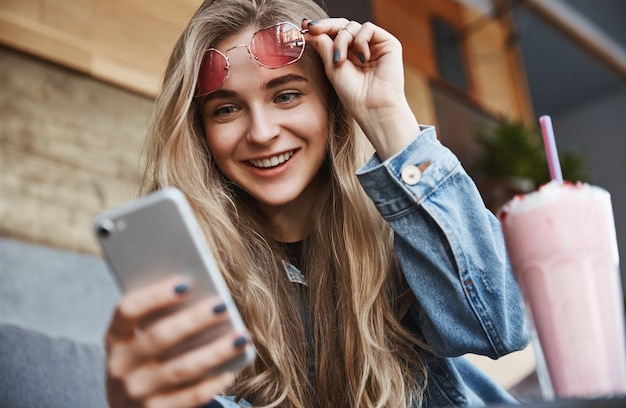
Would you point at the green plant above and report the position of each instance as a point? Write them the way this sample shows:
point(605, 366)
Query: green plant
point(510, 150)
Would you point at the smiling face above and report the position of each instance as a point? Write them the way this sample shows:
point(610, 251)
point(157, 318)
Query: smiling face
point(267, 129)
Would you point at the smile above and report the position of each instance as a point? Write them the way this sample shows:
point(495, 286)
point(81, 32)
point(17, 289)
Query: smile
point(272, 161)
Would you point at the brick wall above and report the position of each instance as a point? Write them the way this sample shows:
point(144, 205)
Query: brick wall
point(69, 148)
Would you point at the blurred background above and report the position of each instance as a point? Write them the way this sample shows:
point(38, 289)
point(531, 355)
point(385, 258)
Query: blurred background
point(78, 78)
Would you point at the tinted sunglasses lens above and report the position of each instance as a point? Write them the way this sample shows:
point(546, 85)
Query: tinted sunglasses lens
point(277, 46)
point(213, 72)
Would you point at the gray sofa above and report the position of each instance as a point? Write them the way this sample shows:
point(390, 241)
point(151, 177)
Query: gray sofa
point(54, 309)
point(37, 370)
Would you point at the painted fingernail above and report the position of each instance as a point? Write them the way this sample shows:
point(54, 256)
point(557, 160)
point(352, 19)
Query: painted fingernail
point(181, 288)
point(312, 22)
point(362, 58)
point(240, 342)
point(221, 308)
point(336, 56)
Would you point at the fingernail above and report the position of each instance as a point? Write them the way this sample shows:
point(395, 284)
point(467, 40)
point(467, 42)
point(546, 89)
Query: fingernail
point(240, 342)
point(312, 22)
point(221, 308)
point(336, 56)
point(181, 288)
point(362, 58)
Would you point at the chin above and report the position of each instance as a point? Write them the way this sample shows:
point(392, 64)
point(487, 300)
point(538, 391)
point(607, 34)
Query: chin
point(276, 200)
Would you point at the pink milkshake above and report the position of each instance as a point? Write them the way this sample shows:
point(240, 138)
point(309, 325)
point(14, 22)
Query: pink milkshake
point(563, 249)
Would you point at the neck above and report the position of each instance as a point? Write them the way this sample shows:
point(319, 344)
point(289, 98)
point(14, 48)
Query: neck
point(289, 223)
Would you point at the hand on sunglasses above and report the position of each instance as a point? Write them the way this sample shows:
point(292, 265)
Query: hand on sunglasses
point(364, 65)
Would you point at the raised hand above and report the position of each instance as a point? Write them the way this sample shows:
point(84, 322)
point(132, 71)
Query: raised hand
point(364, 64)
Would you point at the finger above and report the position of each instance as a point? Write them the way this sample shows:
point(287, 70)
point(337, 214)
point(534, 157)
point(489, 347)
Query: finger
point(174, 328)
point(188, 368)
point(348, 32)
point(195, 395)
point(370, 42)
point(339, 39)
point(328, 26)
point(363, 42)
point(139, 303)
point(320, 41)
point(344, 40)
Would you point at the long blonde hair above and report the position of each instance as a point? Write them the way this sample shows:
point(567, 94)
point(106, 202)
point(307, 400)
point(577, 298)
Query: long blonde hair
point(363, 356)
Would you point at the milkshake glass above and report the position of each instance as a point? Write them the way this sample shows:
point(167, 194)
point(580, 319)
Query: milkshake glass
point(562, 245)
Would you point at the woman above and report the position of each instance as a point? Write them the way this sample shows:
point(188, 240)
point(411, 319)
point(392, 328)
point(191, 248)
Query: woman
point(359, 286)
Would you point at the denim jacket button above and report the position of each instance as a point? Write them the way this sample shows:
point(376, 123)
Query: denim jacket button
point(411, 175)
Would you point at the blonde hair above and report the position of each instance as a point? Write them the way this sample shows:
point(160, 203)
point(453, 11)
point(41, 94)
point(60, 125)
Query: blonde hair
point(363, 356)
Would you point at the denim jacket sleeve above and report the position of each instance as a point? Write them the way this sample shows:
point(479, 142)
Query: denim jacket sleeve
point(451, 250)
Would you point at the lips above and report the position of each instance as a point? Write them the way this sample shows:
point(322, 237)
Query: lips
point(272, 161)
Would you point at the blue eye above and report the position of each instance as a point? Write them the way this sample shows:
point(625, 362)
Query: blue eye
point(287, 97)
point(225, 110)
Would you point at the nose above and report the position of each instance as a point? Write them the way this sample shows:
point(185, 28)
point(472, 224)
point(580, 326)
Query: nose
point(263, 127)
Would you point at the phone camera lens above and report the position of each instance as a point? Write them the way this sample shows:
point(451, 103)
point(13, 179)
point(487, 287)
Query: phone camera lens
point(105, 228)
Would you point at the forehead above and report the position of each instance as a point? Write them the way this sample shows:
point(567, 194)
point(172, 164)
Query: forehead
point(240, 38)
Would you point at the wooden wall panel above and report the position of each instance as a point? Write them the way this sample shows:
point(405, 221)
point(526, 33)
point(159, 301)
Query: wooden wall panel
point(498, 71)
point(126, 43)
point(496, 78)
point(23, 8)
point(68, 16)
point(31, 36)
point(418, 95)
point(409, 23)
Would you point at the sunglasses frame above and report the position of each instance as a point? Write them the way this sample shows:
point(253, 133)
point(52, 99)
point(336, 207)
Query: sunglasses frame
point(224, 54)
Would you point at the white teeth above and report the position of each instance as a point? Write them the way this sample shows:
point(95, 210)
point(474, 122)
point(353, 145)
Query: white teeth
point(272, 161)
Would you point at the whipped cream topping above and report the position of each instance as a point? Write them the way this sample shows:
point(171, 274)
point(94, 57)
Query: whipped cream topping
point(549, 193)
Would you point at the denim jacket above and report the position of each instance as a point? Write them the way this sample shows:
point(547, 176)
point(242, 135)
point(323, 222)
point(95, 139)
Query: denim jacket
point(453, 256)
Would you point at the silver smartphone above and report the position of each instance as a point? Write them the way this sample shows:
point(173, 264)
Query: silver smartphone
point(157, 236)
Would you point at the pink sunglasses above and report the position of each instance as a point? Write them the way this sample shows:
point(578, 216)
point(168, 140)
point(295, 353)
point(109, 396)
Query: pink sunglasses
point(271, 47)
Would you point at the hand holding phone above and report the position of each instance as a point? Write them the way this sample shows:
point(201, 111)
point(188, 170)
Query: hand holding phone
point(155, 240)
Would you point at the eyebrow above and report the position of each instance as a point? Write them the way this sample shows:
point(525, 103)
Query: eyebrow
point(273, 83)
point(285, 79)
point(220, 93)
